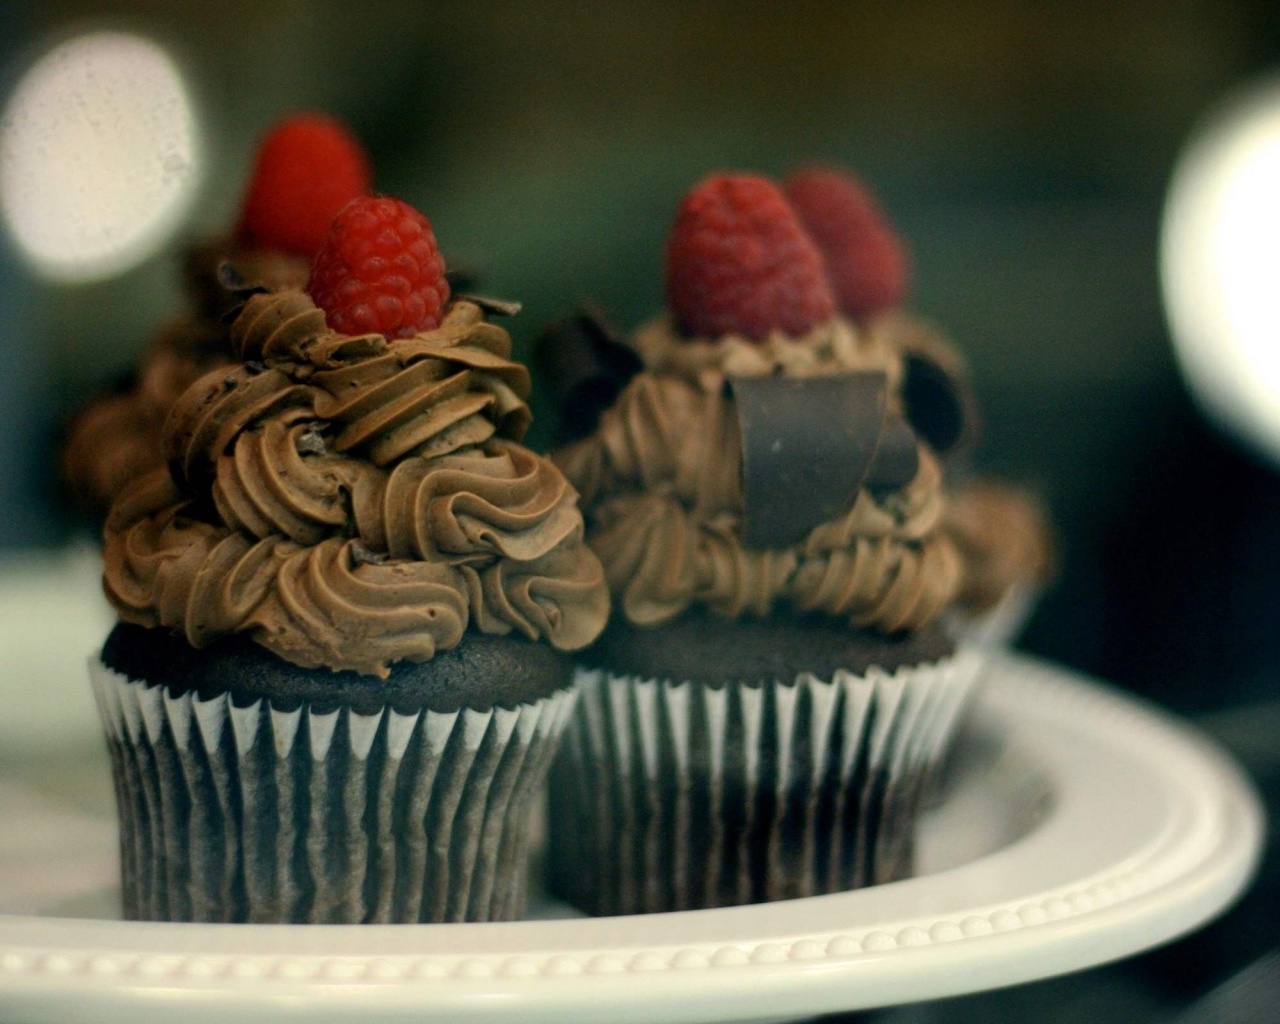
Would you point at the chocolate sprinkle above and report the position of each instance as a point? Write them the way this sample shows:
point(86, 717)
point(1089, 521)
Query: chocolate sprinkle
point(808, 444)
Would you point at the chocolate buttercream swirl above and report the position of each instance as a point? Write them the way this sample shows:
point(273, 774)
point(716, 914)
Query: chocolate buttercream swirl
point(315, 605)
point(117, 438)
point(427, 395)
point(1003, 533)
point(350, 501)
point(829, 347)
point(662, 480)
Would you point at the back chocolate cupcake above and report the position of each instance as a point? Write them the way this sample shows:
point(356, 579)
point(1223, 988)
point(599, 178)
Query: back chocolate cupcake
point(760, 718)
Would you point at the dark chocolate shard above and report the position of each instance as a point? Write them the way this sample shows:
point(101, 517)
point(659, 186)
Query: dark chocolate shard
point(584, 364)
point(230, 278)
point(939, 404)
point(492, 306)
point(462, 275)
point(808, 444)
point(233, 281)
point(897, 458)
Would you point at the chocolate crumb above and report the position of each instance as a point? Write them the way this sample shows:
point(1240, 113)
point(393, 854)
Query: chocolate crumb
point(361, 555)
point(311, 443)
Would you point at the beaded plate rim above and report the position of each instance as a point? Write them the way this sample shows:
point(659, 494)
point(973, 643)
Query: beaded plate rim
point(1192, 849)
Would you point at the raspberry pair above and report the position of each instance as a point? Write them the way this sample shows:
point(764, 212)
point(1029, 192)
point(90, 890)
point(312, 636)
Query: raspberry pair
point(744, 257)
point(747, 257)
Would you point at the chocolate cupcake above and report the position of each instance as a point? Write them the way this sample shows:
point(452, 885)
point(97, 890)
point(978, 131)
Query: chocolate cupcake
point(307, 168)
point(340, 674)
point(760, 719)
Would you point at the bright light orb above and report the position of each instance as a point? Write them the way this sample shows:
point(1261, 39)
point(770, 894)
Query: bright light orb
point(1220, 267)
point(98, 156)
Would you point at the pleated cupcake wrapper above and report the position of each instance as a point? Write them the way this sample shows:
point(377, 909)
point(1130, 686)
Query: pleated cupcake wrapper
point(261, 814)
point(674, 795)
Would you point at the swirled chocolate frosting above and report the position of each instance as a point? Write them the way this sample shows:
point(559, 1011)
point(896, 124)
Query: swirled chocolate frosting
point(1003, 534)
point(350, 501)
point(661, 478)
point(117, 438)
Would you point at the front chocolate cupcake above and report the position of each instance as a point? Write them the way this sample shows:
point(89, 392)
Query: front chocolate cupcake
point(760, 718)
point(339, 677)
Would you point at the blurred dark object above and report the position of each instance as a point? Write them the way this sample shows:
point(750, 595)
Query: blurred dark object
point(1251, 997)
point(583, 364)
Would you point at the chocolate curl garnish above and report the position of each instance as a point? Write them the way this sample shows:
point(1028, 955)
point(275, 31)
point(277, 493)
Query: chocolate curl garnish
point(231, 280)
point(939, 404)
point(809, 444)
point(585, 365)
point(492, 306)
point(462, 276)
point(897, 458)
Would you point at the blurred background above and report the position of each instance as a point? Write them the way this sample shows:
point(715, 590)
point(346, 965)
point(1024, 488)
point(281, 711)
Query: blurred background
point(1024, 150)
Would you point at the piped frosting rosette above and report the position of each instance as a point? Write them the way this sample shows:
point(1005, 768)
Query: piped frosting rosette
point(351, 501)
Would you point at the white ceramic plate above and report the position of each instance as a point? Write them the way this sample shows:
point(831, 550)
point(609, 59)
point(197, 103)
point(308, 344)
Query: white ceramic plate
point(1082, 827)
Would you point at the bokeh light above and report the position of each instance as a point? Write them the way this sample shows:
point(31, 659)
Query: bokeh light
point(1220, 266)
point(98, 156)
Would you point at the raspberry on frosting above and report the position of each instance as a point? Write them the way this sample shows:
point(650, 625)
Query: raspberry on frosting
point(379, 271)
point(866, 261)
point(740, 262)
point(307, 169)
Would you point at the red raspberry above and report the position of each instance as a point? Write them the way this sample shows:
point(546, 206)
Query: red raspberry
point(379, 270)
point(739, 262)
point(866, 262)
point(308, 168)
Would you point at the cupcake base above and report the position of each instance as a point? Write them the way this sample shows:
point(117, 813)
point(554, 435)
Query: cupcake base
point(672, 793)
point(241, 805)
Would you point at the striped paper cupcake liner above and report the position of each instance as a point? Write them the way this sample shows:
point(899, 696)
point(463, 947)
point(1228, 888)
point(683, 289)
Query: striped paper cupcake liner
point(676, 795)
point(262, 814)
